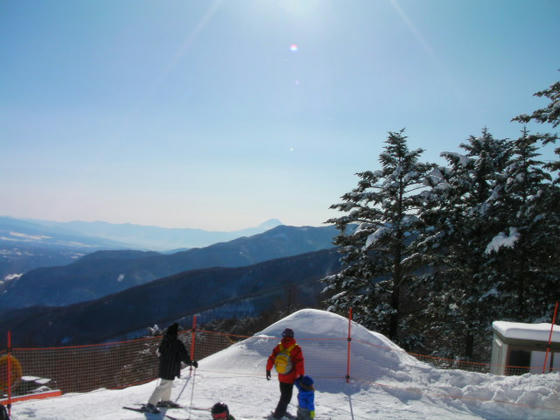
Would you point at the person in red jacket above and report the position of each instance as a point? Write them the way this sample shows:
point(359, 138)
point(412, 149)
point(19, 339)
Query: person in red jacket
point(286, 375)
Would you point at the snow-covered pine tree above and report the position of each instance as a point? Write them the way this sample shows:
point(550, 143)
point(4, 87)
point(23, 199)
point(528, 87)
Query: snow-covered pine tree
point(520, 253)
point(547, 115)
point(459, 226)
point(551, 113)
point(548, 203)
point(375, 236)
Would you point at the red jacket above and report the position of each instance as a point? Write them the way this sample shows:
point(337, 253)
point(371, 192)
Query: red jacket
point(298, 365)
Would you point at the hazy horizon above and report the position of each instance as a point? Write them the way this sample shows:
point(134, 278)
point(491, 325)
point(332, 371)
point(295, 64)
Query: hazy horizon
point(274, 220)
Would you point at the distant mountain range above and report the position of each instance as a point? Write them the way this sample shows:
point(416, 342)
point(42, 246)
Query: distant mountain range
point(26, 245)
point(26, 232)
point(29, 244)
point(152, 237)
point(106, 272)
point(212, 293)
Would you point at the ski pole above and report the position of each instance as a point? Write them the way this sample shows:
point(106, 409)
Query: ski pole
point(192, 392)
point(184, 385)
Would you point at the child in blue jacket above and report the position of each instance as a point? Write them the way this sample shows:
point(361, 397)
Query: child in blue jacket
point(306, 398)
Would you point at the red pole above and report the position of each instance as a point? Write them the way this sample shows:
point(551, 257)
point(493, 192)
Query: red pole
point(349, 345)
point(9, 383)
point(193, 337)
point(550, 337)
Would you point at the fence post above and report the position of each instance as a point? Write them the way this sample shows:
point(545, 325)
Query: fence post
point(193, 337)
point(9, 381)
point(550, 337)
point(349, 345)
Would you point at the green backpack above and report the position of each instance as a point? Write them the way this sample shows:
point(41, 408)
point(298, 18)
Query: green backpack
point(283, 360)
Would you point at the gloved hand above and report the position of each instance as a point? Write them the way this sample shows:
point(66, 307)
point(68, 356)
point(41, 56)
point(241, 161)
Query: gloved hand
point(194, 363)
point(268, 375)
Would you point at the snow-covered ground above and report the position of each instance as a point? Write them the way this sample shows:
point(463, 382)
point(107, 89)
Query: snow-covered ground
point(390, 384)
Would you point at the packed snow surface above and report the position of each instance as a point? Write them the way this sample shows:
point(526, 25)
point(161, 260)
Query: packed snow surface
point(386, 383)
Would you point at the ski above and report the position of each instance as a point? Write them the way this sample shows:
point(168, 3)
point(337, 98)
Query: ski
point(144, 411)
point(166, 407)
point(170, 407)
point(201, 408)
point(139, 410)
point(135, 409)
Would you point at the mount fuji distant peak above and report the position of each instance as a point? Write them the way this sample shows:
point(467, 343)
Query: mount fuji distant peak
point(270, 223)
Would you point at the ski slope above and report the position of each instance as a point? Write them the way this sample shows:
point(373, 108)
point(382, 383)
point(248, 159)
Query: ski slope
point(391, 385)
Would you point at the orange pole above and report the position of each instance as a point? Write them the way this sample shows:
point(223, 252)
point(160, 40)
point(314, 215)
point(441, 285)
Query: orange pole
point(349, 345)
point(193, 337)
point(9, 382)
point(550, 337)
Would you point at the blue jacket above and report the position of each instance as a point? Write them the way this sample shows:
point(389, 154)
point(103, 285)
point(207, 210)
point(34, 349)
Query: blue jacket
point(306, 397)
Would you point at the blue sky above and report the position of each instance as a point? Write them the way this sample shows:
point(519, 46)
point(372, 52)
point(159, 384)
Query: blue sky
point(222, 114)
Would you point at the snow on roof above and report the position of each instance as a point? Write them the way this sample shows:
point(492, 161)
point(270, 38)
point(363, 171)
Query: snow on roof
point(522, 331)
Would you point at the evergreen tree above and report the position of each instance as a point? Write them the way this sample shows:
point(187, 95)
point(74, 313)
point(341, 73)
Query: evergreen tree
point(520, 253)
point(549, 114)
point(375, 239)
point(548, 230)
point(460, 224)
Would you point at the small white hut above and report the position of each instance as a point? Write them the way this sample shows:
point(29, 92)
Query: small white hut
point(520, 348)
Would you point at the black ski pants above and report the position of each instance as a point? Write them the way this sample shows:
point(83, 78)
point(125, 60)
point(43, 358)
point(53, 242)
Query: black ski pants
point(286, 391)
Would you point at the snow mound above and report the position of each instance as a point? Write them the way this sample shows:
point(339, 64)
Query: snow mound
point(323, 339)
point(378, 363)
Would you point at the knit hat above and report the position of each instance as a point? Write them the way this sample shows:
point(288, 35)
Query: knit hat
point(288, 332)
point(219, 408)
point(172, 329)
point(307, 381)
